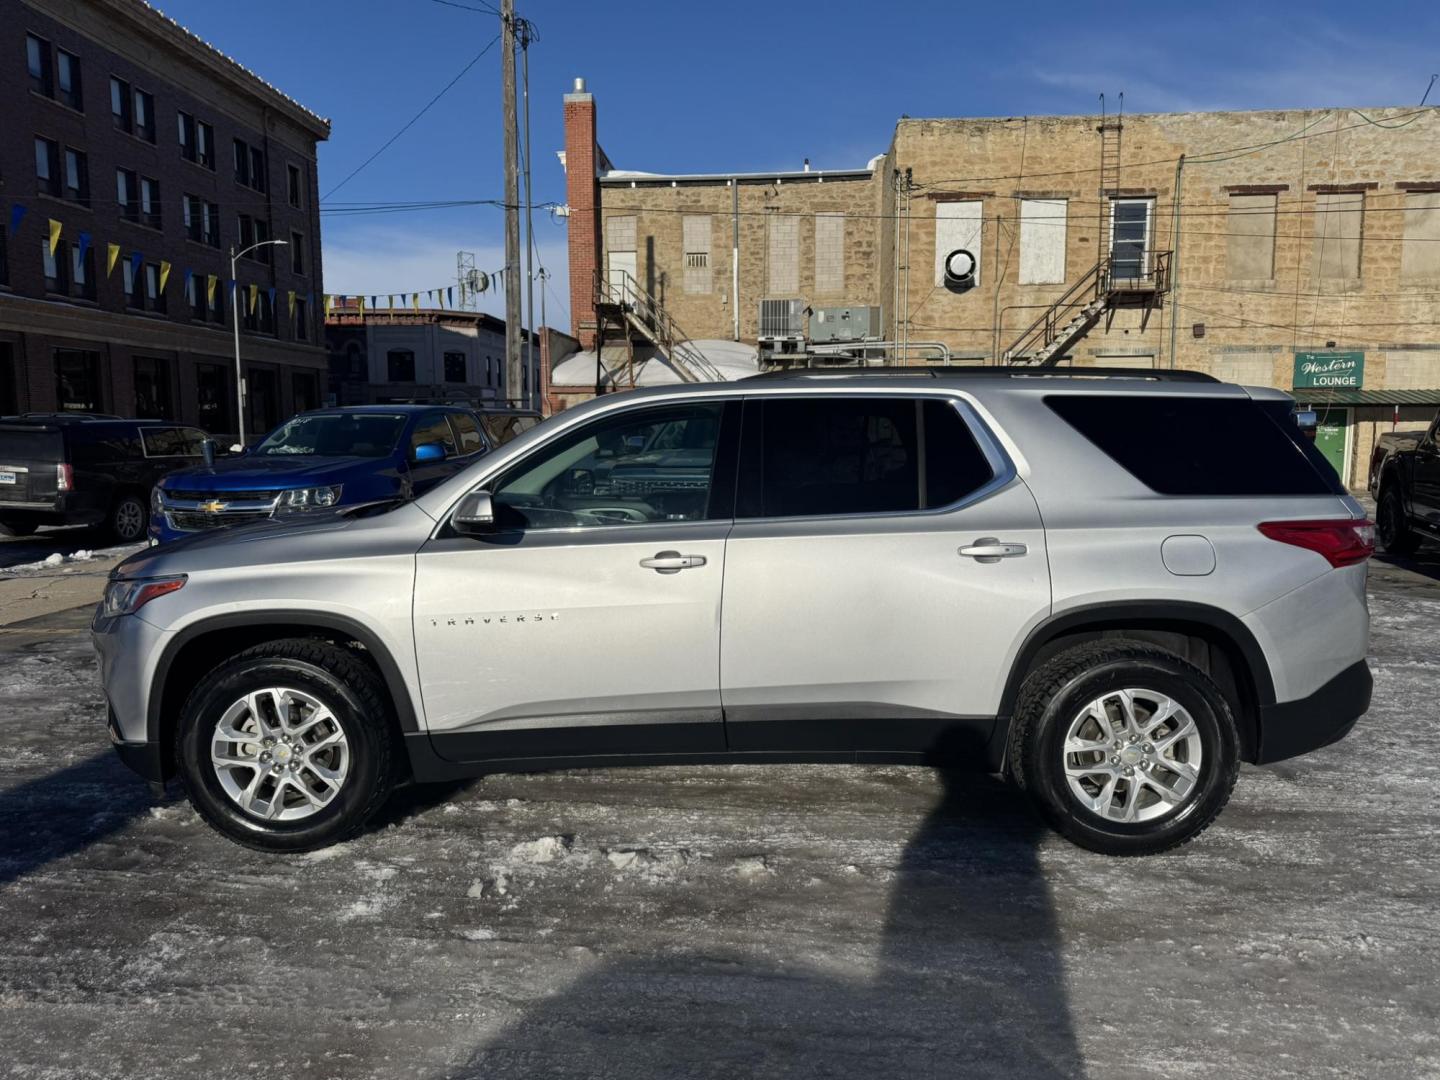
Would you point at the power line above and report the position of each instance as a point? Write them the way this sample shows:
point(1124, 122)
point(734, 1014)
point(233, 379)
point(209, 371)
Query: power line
point(411, 122)
point(484, 9)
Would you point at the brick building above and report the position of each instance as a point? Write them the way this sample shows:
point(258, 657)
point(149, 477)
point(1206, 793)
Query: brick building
point(1298, 249)
point(155, 154)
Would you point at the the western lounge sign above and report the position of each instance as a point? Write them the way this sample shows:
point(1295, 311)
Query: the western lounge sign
point(1329, 369)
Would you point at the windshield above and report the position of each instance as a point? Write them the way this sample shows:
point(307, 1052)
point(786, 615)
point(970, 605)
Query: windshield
point(335, 435)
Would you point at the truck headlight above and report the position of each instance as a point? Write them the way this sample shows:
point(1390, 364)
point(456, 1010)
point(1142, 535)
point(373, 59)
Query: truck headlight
point(315, 498)
point(157, 502)
point(125, 596)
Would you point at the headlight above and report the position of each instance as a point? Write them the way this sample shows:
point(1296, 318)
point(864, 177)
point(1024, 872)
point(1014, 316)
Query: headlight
point(309, 498)
point(157, 503)
point(125, 596)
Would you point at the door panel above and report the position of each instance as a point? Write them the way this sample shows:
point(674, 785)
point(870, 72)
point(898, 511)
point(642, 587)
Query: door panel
point(1426, 489)
point(565, 629)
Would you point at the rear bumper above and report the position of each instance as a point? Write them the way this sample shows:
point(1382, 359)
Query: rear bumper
point(58, 511)
point(1326, 716)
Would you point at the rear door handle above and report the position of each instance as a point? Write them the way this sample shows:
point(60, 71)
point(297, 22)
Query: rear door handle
point(672, 562)
point(988, 549)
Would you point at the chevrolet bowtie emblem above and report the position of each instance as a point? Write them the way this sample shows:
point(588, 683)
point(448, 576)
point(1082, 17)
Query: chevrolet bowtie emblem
point(214, 506)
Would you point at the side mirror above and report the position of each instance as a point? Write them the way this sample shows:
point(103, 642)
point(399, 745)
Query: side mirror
point(1307, 420)
point(475, 514)
point(430, 451)
point(207, 451)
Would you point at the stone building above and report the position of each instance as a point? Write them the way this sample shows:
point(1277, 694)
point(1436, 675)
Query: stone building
point(154, 154)
point(1298, 249)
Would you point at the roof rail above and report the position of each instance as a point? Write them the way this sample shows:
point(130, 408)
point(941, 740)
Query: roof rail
point(967, 371)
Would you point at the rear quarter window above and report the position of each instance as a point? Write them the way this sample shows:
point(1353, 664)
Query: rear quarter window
point(1199, 445)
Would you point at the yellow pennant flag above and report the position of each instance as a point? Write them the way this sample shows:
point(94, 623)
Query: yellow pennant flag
point(112, 252)
point(254, 297)
point(291, 295)
point(390, 301)
point(328, 301)
point(55, 229)
point(415, 300)
point(164, 274)
point(211, 284)
point(361, 299)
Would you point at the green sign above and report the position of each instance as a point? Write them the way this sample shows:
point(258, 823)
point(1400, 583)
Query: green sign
point(1331, 369)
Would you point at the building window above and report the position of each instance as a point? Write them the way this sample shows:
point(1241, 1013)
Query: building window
point(77, 380)
point(695, 236)
point(77, 176)
point(400, 365)
point(197, 140)
point(69, 82)
point(254, 231)
point(1339, 221)
point(783, 254)
point(127, 194)
point(212, 391)
point(305, 391)
point(455, 367)
point(957, 227)
point(1420, 251)
point(145, 116)
point(153, 399)
point(9, 384)
point(258, 316)
point(297, 253)
point(130, 281)
point(150, 202)
point(215, 303)
point(121, 110)
point(249, 165)
point(55, 278)
point(1250, 237)
point(154, 295)
point(4, 259)
point(193, 297)
point(37, 60)
point(829, 253)
point(1130, 224)
point(47, 166)
point(293, 185)
point(1042, 241)
point(82, 272)
point(302, 319)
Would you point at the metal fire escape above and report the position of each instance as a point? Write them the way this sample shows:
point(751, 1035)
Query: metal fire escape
point(625, 311)
point(1127, 279)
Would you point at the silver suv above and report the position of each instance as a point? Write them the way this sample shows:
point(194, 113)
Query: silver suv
point(1112, 587)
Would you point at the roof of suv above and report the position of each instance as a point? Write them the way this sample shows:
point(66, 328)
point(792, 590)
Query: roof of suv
point(955, 371)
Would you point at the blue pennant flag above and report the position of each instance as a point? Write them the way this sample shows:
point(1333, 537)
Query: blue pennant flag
point(271, 291)
point(17, 215)
point(84, 245)
point(136, 258)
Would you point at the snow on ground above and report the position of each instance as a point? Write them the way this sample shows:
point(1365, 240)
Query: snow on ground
point(733, 359)
point(772, 921)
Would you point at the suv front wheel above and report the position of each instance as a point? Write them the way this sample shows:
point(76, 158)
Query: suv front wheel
point(287, 746)
point(1125, 749)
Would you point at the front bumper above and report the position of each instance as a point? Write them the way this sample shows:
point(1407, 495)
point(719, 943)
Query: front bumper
point(1326, 716)
point(127, 647)
point(141, 757)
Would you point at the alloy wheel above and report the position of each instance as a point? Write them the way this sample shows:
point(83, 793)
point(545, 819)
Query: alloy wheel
point(280, 754)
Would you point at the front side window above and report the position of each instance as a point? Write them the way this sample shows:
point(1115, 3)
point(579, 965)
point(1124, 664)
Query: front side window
point(335, 435)
point(644, 466)
point(833, 455)
point(433, 428)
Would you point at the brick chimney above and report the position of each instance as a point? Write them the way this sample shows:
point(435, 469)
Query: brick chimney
point(582, 192)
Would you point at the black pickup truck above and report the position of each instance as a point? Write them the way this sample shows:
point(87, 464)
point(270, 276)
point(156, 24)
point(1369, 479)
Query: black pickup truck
point(67, 469)
point(1405, 481)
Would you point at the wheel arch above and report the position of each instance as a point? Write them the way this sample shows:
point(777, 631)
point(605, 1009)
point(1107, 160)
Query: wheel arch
point(199, 647)
point(1213, 639)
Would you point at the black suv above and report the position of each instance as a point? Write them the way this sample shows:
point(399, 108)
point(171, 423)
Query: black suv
point(58, 469)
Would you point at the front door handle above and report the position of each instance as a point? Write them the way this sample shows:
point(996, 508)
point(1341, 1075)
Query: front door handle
point(672, 562)
point(988, 550)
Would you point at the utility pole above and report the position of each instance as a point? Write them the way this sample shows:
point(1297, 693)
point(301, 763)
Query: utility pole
point(527, 34)
point(513, 378)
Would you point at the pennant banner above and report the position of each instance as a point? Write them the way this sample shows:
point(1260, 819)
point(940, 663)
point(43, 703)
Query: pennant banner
point(112, 253)
point(17, 215)
point(136, 258)
point(84, 246)
point(211, 284)
point(290, 294)
point(55, 230)
point(254, 297)
point(164, 274)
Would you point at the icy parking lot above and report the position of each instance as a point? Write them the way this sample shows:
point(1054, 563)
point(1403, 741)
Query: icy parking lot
point(729, 922)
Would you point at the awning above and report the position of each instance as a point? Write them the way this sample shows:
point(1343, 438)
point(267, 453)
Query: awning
point(1351, 396)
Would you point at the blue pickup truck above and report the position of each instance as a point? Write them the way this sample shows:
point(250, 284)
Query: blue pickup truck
point(329, 457)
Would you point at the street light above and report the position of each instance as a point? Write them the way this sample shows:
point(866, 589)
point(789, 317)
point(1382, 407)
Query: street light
point(235, 315)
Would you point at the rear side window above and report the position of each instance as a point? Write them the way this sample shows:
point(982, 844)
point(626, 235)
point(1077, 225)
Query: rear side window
point(808, 457)
point(172, 442)
point(1198, 445)
point(467, 431)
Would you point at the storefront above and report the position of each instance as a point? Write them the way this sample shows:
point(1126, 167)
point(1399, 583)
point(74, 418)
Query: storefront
point(1349, 421)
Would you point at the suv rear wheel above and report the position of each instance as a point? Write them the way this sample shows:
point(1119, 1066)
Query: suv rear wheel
point(1396, 536)
point(1125, 749)
point(287, 746)
point(129, 518)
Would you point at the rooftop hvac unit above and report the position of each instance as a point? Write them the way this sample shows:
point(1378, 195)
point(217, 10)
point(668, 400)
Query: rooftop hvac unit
point(782, 320)
point(846, 324)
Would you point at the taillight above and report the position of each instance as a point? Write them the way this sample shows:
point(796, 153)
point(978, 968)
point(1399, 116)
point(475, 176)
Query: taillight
point(1343, 541)
point(64, 477)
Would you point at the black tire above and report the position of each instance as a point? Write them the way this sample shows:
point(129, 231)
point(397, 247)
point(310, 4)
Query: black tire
point(1392, 527)
point(16, 528)
point(1056, 692)
point(353, 694)
point(129, 518)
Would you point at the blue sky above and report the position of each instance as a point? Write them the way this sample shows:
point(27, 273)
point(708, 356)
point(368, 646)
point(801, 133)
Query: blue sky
point(691, 86)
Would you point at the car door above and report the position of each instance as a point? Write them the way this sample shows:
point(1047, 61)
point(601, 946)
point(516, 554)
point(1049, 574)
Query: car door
point(588, 621)
point(1425, 491)
point(884, 561)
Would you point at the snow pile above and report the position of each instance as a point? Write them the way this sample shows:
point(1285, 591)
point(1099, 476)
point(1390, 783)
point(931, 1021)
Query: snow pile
point(57, 560)
point(732, 359)
point(544, 850)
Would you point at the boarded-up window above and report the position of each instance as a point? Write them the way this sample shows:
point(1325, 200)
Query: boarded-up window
point(696, 237)
point(1250, 238)
point(829, 254)
point(1246, 369)
point(1339, 217)
point(957, 225)
point(620, 234)
point(784, 252)
point(1042, 241)
point(1420, 249)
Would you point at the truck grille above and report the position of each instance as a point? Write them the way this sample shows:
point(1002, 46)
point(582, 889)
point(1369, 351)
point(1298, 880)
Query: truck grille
point(198, 521)
point(197, 511)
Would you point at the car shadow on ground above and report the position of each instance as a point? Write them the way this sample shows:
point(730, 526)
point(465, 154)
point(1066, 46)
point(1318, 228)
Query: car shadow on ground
point(56, 815)
point(967, 981)
point(23, 550)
